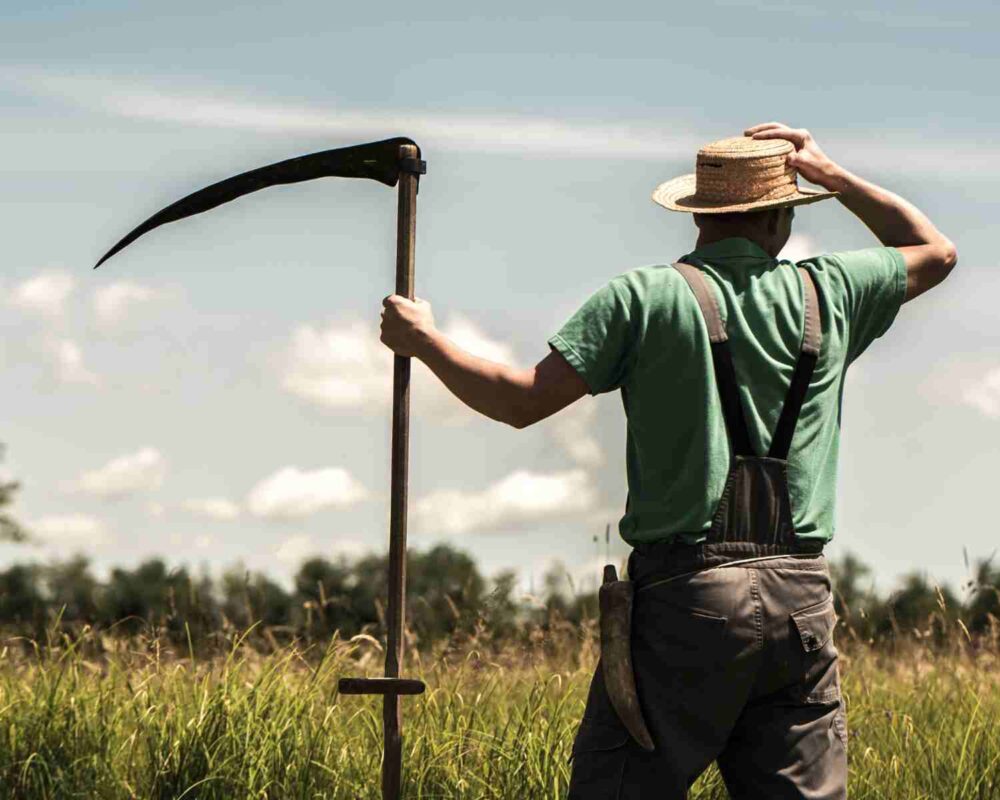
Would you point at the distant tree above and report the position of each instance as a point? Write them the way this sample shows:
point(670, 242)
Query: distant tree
point(22, 604)
point(153, 595)
point(446, 592)
point(500, 610)
point(556, 592)
point(72, 590)
point(251, 598)
point(983, 606)
point(132, 597)
point(323, 597)
point(852, 601)
point(10, 529)
point(918, 608)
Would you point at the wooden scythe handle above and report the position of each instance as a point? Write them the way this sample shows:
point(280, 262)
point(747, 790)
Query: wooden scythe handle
point(406, 221)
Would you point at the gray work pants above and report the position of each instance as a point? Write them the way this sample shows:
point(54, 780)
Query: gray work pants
point(735, 665)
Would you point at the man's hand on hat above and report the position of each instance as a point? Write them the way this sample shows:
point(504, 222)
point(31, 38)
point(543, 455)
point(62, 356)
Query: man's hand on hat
point(407, 325)
point(808, 159)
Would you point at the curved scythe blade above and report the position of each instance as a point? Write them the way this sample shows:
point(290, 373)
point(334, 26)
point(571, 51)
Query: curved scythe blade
point(378, 161)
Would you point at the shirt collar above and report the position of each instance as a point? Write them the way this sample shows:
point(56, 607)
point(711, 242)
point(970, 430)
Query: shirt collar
point(733, 247)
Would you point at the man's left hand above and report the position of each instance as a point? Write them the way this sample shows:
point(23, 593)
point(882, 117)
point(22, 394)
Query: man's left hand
point(407, 325)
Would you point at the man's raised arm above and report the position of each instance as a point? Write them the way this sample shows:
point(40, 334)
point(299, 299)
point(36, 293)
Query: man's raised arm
point(929, 254)
point(517, 397)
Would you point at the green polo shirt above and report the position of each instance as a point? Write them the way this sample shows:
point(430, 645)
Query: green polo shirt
point(643, 333)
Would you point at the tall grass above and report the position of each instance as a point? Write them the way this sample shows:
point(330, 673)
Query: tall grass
point(142, 722)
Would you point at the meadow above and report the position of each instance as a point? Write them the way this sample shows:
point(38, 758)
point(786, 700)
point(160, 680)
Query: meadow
point(98, 716)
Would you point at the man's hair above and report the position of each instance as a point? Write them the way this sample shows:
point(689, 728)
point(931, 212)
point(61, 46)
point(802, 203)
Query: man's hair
point(758, 217)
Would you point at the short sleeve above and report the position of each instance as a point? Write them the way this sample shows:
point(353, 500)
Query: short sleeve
point(874, 281)
point(598, 340)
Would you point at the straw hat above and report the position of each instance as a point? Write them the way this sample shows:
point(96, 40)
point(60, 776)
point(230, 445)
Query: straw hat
point(738, 174)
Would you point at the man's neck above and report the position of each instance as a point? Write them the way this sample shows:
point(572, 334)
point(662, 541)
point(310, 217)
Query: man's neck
point(709, 237)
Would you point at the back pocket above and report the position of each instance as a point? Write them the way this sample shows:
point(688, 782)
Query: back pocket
point(679, 635)
point(818, 657)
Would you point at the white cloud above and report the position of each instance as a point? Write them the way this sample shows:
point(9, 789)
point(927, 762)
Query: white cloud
point(572, 429)
point(218, 508)
point(155, 509)
point(160, 99)
point(112, 302)
point(498, 133)
point(71, 529)
point(68, 360)
point(576, 578)
point(345, 366)
point(520, 498)
point(202, 542)
point(291, 493)
point(800, 246)
point(342, 366)
point(467, 335)
point(296, 549)
point(984, 394)
point(45, 294)
point(140, 471)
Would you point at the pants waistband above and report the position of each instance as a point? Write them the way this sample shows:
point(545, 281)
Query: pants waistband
point(661, 560)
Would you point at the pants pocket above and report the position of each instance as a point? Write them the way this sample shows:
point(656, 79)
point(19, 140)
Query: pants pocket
point(840, 722)
point(814, 626)
point(681, 635)
point(820, 675)
point(598, 758)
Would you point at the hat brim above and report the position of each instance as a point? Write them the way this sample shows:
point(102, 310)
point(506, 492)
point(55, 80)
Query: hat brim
point(678, 194)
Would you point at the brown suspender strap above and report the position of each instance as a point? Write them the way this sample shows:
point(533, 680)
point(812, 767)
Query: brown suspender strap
point(725, 372)
point(812, 339)
point(722, 359)
point(706, 299)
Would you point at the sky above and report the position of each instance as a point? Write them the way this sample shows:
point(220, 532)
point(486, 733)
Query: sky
point(217, 394)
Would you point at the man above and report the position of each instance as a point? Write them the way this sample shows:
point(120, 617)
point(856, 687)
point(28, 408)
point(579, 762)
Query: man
point(721, 358)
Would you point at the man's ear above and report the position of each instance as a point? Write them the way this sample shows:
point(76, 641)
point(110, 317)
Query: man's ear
point(773, 218)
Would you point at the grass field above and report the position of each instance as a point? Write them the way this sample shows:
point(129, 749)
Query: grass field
point(141, 722)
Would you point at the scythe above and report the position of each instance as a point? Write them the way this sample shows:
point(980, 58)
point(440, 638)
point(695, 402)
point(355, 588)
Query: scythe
point(390, 161)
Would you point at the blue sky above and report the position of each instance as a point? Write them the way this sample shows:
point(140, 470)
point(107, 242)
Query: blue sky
point(217, 393)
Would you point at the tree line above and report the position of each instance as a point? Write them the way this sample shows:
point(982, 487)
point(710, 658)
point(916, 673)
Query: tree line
point(447, 597)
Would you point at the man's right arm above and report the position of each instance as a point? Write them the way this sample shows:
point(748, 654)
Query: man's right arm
point(929, 254)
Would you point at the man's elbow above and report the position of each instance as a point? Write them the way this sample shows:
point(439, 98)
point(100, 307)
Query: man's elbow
point(526, 410)
point(521, 418)
point(944, 260)
point(949, 256)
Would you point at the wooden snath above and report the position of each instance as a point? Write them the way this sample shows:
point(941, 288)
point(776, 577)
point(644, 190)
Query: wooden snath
point(392, 686)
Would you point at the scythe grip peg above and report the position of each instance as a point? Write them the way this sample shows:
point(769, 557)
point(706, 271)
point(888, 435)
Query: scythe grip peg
point(415, 165)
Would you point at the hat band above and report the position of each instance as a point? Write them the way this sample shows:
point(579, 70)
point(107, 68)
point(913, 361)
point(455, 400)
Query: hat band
point(726, 181)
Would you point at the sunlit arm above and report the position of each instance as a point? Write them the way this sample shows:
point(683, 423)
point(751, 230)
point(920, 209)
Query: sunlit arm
point(518, 397)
